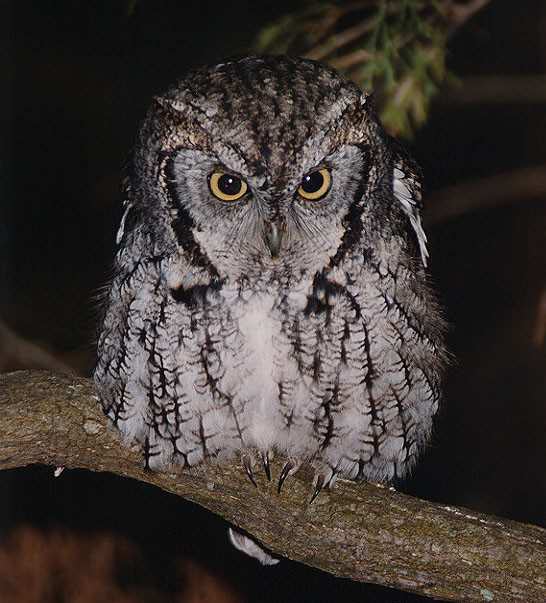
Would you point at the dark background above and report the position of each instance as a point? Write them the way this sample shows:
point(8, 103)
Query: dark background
point(77, 78)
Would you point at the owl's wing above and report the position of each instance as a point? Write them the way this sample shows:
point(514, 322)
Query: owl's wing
point(407, 189)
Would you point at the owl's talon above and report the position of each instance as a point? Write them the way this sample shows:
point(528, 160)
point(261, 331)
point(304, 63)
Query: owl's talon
point(248, 470)
point(318, 488)
point(284, 474)
point(267, 466)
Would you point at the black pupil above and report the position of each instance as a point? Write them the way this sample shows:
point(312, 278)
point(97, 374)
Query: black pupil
point(312, 182)
point(229, 185)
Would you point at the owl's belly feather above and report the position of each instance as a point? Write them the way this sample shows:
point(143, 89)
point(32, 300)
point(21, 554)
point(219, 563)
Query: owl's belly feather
point(332, 384)
point(260, 335)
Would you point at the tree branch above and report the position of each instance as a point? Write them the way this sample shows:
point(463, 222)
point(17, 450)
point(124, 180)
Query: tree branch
point(526, 89)
point(359, 531)
point(17, 352)
point(459, 13)
point(523, 184)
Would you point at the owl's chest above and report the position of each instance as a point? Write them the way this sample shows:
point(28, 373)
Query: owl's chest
point(262, 323)
point(268, 341)
point(258, 329)
point(246, 341)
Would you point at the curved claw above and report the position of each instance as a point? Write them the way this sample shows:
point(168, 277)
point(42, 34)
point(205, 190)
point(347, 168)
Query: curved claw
point(248, 470)
point(284, 474)
point(267, 467)
point(318, 488)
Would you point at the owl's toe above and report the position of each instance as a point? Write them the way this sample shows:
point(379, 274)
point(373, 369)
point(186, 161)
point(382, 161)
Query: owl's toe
point(319, 485)
point(324, 478)
point(247, 466)
point(266, 456)
point(249, 461)
point(289, 468)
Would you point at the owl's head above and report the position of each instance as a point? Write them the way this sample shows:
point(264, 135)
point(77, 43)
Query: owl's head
point(270, 167)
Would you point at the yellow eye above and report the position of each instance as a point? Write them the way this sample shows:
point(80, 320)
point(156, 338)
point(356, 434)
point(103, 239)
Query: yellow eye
point(315, 185)
point(227, 187)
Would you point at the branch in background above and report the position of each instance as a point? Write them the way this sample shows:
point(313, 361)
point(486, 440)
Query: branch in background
point(351, 59)
point(16, 352)
point(396, 49)
point(484, 193)
point(497, 89)
point(358, 531)
point(50, 566)
point(458, 13)
point(335, 41)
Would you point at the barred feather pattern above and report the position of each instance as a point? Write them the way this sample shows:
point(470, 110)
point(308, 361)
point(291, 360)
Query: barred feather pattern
point(331, 353)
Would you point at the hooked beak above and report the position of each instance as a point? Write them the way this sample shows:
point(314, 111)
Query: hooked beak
point(273, 238)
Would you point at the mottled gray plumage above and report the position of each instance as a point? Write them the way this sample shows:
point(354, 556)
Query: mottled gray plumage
point(272, 323)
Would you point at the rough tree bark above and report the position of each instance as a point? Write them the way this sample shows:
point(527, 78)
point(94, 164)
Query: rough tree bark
point(359, 531)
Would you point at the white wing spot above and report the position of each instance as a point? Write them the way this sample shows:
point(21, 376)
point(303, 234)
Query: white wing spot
point(408, 192)
point(121, 229)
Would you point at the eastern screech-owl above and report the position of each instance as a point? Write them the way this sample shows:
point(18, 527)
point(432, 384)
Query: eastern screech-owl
point(270, 292)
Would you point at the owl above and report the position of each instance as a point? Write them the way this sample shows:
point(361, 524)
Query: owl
point(270, 292)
